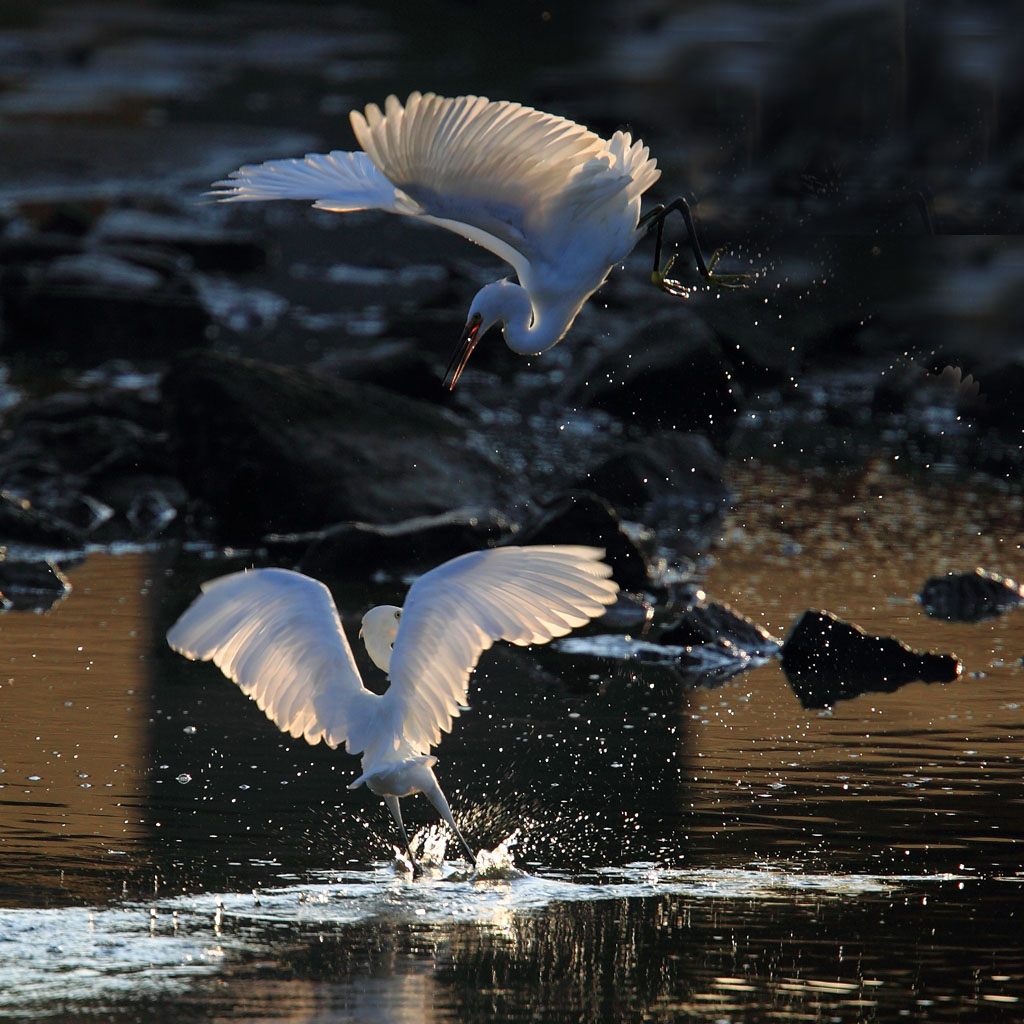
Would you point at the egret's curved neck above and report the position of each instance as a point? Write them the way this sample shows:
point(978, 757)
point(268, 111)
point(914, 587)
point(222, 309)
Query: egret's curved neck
point(529, 328)
point(378, 631)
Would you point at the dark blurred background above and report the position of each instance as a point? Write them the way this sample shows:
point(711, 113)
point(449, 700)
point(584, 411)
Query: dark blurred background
point(864, 161)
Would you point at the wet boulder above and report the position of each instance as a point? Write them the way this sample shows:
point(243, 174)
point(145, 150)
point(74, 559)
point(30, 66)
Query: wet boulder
point(672, 481)
point(22, 523)
point(707, 645)
point(143, 505)
point(65, 301)
point(969, 596)
point(421, 542)
point(582, 517)
point(402, 366)
point(709, 622)
point(30, 585)
point(827, 660)
point(209, 246)
point(268, 449)
point(691, 666)
point(669, 373)
point(87, 465)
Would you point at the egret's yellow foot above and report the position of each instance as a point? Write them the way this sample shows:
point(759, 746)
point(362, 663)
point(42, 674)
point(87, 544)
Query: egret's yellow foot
point(724, 280)
point(667, 284)
point(661, 280)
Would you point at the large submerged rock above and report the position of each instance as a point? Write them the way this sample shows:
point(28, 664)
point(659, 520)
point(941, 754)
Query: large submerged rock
point(582, 517)
point(669, 373)
point(421, 541)
point(278, 450)
point(87, 465)
point(72, 303)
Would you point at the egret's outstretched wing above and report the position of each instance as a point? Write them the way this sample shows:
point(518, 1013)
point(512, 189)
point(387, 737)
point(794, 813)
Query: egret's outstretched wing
point(336, 181)
point(277, 634)
point(526, 595)
point(496, 172)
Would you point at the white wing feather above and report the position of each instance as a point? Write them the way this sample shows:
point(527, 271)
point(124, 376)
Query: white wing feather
point(499, 170)
point(337, 181)
point(455, 612)
point(277, 634)
point(510, 178)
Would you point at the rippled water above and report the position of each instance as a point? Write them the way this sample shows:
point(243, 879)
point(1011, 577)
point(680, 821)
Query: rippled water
point(687, 853)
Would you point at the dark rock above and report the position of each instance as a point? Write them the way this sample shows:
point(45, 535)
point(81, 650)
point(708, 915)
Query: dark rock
point(34, 586)
point(581, 517)
point(84, 433)
point(671, 374)
point(828, 660)
point(146, 502)
point(694, 665)
point(1000, 404)
point(208, 246)
point(708, 622)
point(21, 522)
point(969, 596)
point(706, 646)
point(425, 540)
point(86, 465)
point(81, 306)
point(281, 450)
point(402, 366)
point(85, 513)
point(672, 480)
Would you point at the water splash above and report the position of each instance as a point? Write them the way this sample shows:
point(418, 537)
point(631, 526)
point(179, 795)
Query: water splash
point(498, 863)
point(429, 846)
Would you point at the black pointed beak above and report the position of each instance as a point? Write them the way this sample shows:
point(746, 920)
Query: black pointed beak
point(463, 350)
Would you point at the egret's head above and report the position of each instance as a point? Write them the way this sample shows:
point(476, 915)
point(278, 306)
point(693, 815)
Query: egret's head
point(494, 303)
point(378, 631)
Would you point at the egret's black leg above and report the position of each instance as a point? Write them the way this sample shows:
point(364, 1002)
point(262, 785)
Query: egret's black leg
point(437, 798)
point(659, 275)
point(396, 813)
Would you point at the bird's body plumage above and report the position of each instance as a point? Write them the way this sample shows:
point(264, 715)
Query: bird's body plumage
point(277, 634)
point(557, 202)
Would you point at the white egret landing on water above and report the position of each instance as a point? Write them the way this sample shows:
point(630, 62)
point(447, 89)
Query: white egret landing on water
point(278, 635)
point(557, 202)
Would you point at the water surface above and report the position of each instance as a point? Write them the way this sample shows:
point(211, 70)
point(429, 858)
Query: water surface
point(687, 853)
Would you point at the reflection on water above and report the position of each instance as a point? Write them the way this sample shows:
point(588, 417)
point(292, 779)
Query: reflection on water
point(76, 717)
point(709, 851)
point(368, 946)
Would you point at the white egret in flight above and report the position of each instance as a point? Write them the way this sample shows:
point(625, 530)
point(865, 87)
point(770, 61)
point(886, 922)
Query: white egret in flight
point(278, 635)
point(554, 200)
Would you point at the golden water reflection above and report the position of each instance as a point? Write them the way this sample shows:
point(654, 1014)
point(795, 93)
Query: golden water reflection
point(935, 765)
point(75, 712)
